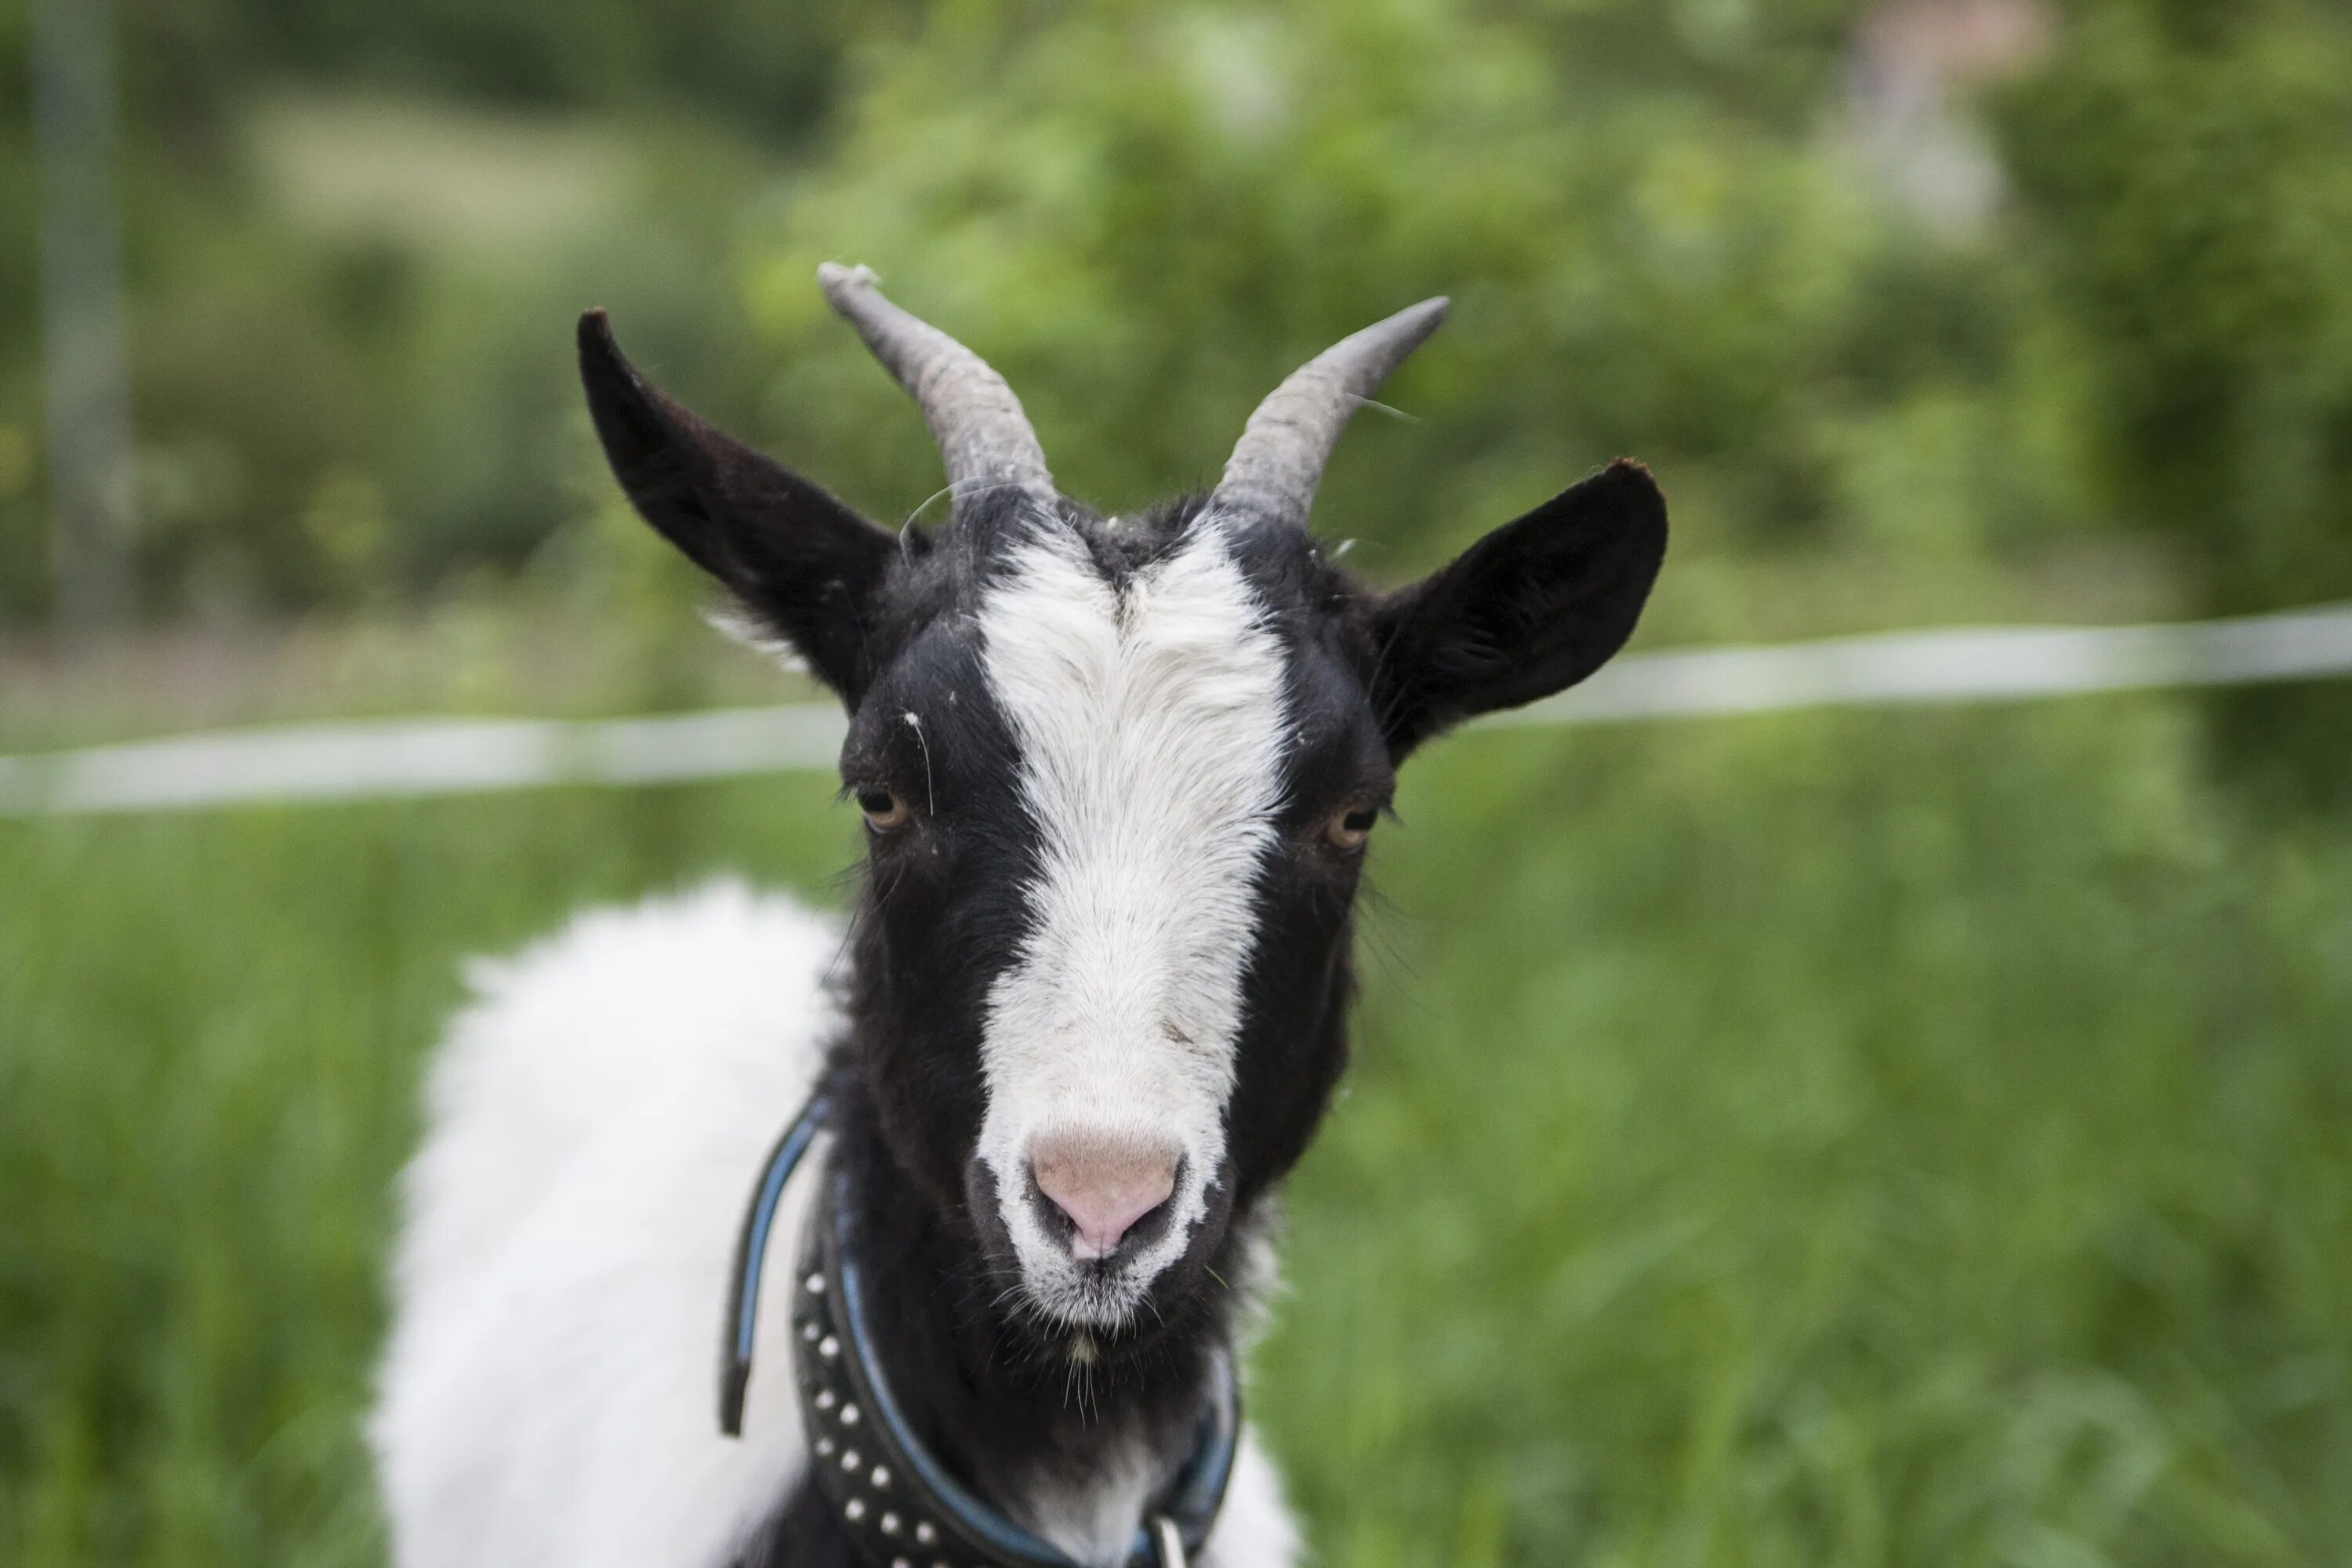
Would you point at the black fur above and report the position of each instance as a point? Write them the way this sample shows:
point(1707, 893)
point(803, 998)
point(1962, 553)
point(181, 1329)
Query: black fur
point(1532, 608)
point(1008, 1401)
point(806, 565)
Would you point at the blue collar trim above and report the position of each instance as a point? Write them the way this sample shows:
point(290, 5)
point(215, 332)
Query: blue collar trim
point(751, 1251)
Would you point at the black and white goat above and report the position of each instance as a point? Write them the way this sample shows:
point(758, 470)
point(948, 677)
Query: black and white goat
point(1118, 773)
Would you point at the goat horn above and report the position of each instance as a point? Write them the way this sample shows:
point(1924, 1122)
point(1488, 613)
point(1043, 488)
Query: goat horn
point(1279, 459)
point(983, 438)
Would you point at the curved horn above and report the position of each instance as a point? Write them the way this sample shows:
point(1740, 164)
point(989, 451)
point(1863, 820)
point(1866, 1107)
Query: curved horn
point(983, 438)
point(1279, 459)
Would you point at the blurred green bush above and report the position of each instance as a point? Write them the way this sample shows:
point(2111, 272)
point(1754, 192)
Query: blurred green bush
point(357, 234)
point(1664, 233)
point(2187, 213)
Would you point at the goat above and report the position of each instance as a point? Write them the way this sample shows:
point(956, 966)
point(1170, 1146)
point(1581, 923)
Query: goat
point(1118, 774)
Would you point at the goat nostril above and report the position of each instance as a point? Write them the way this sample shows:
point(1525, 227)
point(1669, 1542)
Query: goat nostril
point(1103, 1187)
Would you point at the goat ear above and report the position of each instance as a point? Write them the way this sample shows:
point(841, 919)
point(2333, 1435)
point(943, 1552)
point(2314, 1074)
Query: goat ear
point(807, 567)
point(1531, 609)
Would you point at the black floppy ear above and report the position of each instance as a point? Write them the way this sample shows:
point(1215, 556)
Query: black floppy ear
point(805, 565)
point(1532, 608)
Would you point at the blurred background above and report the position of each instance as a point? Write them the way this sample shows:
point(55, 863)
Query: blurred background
point(1902, 1136)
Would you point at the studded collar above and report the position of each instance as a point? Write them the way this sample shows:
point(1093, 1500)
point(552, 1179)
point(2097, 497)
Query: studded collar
point(901, 1509)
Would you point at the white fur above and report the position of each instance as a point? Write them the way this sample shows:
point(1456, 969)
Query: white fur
point(1095, 1526)
point(597, 1118)
point(1096, 1523)
point(1151, 722)
point(1253, 1529)
point(595, 1122)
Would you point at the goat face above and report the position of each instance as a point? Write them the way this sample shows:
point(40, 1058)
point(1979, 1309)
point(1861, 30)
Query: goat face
point(1117, 776)
point(1121, 770)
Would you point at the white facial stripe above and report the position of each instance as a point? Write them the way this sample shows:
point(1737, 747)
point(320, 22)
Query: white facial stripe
point(1151, 725)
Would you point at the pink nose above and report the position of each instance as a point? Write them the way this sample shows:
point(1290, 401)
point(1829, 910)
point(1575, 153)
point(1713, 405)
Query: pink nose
point(1105, 1184)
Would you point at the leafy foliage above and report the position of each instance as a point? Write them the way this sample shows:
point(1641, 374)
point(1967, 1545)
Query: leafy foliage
point(2184, 170)
point(1663, 231)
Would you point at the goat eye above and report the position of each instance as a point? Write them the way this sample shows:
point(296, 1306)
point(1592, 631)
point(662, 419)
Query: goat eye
point(1351, 828)
point(883, 808)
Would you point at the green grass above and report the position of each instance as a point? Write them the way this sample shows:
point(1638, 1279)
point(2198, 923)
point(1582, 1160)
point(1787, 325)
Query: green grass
point(1877, 1139)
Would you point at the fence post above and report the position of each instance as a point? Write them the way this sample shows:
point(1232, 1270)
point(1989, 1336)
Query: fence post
point(84, 361)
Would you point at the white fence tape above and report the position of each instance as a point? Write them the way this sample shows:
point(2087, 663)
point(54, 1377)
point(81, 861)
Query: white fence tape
point(438, 756)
